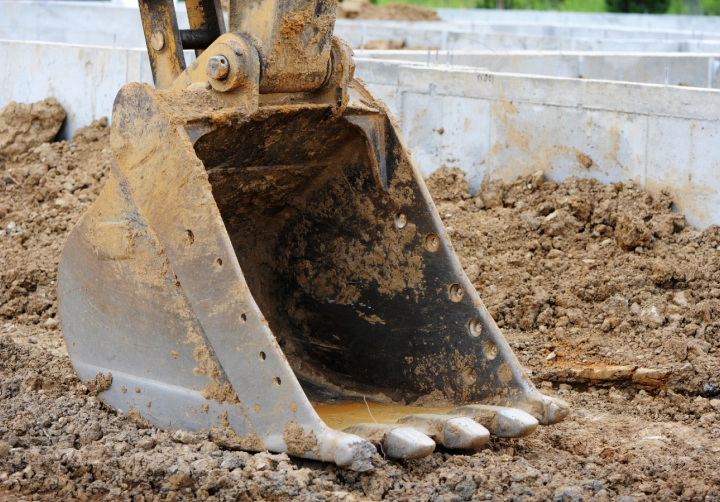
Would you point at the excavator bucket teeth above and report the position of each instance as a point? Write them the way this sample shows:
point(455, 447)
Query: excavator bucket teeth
point(272, 276)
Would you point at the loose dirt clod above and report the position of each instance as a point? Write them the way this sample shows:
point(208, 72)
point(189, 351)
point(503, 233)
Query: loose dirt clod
point(25, 126)
point(630, 314)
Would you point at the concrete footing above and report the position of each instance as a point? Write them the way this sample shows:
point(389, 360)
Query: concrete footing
point(688, 69)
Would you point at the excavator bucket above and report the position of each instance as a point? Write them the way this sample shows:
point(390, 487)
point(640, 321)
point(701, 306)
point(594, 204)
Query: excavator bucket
point(266, 263)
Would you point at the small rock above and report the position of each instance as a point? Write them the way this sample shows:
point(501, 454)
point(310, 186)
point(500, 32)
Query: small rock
point(473, 272)
point(185, 437)
point(492, 198)
point(52, 323)
point(708, 419)
point(560, 222)
point(616, 398)
point(601, 496)
point(32, 383)
point(631, 232)
point(642, 398)
point(568, 494)
point(466, 489)
point(680, 299)
point(677, 347)
point(624, 327)
point(537, 179)
point(28, 472)
point(664, 225)
point(551, 356)
point(5, 448)
point(93, 432)
point(146, 443)
point(179, 480)
point(652, 317)
point(616, 305)
point(258, 463)
point(233, 462)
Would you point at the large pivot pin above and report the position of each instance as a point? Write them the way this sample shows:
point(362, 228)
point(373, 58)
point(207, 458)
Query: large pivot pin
point(218, 68)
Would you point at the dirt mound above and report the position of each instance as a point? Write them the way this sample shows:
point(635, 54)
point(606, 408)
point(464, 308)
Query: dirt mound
point(363, 9)
point(584, 279)
point(45, 191)
point(25, 126)
point(582, 275)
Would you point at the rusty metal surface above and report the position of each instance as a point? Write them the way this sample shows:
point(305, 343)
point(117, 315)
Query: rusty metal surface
point(255, 256)
point(163, 40)
point(206, 24)
point(294, 38)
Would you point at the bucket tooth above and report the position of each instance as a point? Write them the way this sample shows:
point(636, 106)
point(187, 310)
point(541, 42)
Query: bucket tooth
point(452, 432)
point(408, 443)
point(500, 421)
point(396, 441)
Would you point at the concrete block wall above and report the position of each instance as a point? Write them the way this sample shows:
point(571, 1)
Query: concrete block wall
point(118, 25)
point(647, 21)
point(84, 79)
point(494, 125)
point(464, 36)
point(696, 70)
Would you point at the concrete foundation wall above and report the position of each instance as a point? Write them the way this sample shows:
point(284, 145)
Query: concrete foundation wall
point(84, 79)
point(491, 125)
point(494, 125)
point(360, 34)
point(115, 25)
point(647, 21)
point(697, 70)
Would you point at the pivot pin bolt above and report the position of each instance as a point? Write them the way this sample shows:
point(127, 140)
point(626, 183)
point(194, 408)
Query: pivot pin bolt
point(218, 67)
point(157, 40)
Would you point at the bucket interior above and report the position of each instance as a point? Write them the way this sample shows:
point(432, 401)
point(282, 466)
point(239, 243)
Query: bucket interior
point(337, 261)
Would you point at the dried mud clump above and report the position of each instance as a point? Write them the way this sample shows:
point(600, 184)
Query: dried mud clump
point(579, 304)
point(25, 126)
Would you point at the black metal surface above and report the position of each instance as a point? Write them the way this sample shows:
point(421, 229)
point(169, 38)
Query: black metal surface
point(197, 39)
point(356, 303)
point(206, 24)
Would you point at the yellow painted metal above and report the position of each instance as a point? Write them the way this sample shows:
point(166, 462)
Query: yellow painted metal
point(163, 41)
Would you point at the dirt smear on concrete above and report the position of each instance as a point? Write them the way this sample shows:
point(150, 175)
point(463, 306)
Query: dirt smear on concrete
point(607, 297)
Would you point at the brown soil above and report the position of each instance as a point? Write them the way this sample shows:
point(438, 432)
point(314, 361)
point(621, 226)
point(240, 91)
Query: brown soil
point(363, 9)
point(608, 298)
